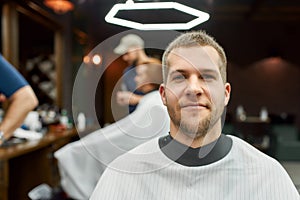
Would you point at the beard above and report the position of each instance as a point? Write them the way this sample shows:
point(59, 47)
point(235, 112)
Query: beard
point(194, 125)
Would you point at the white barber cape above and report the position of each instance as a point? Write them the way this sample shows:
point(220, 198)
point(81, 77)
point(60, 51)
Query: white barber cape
point(243, 174)
point(81, 163)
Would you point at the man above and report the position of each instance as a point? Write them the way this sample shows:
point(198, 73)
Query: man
point(20, 96)
point(81, 163)
point(131, 48)
point(147, 79)
point(195, 161)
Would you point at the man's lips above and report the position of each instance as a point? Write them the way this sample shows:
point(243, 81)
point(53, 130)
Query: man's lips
point(195, 105)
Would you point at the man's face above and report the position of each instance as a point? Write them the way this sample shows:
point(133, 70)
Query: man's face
point(130, 56)
point(194, 92)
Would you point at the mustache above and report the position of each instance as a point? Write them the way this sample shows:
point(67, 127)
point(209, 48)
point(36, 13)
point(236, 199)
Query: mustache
point(195, 103)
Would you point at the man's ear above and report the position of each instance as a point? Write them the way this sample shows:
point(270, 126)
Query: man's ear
point(162, 92)
point(227, 93)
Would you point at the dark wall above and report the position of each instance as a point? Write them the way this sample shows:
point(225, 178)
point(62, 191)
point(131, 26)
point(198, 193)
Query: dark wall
point(264, 66)
point(272, 83)
point(257, 79)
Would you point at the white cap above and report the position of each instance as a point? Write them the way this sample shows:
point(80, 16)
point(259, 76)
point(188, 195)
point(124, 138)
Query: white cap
point(128, 41)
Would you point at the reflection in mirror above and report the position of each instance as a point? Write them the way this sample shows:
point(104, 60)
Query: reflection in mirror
point(36, 58)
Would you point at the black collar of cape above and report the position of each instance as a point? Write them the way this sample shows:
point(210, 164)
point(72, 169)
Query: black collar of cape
point(193, 157)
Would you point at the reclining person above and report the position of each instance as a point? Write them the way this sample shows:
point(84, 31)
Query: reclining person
point(81, 163)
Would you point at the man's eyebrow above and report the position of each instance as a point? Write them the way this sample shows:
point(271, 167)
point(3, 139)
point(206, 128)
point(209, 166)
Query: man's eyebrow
point(182, 71)
point(210, 71)
point(177, 71)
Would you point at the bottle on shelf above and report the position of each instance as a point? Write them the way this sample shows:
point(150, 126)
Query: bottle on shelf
point(263, 115)
point(81, 122)
point(240, 113)
point(64, 120)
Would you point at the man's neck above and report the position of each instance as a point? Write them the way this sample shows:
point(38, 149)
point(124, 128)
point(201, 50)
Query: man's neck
point(142, 58)
point(194, 141)
point(195, 157)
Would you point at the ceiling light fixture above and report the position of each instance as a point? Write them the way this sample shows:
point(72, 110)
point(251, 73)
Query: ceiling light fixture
point(59, 6)
point(130, 5)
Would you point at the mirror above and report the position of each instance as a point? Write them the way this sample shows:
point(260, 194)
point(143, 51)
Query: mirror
point(36, 54)
point(36, 58)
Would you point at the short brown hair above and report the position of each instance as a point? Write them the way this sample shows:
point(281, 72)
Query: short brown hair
point(191, 39)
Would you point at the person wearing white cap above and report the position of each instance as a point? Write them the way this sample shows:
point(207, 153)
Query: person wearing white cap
point(131, 47)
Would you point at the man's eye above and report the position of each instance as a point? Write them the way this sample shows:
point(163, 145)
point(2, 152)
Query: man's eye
point(208, 77)
point(178, 77)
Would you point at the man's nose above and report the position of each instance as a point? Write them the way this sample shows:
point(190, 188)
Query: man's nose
point(195, 86)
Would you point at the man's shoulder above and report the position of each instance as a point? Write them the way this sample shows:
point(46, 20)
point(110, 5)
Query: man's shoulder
point(143, 158)
point(154, 60)
point(139, 152)
point(252, 156)
point(258, 167)
point(128, 68)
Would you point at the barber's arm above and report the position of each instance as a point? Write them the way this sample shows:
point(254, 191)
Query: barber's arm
point(19, 105)
point(128, 98)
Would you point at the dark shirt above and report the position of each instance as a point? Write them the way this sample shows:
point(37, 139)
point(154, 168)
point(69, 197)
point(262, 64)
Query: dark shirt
point(128, 79)
point(10, 79)
point(188, 156)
